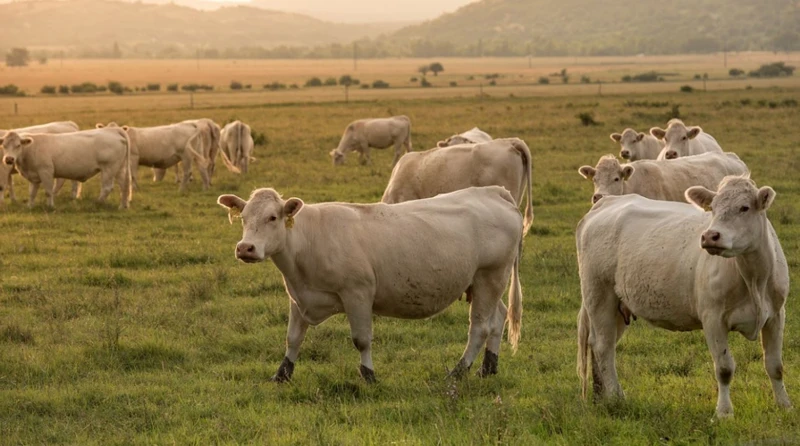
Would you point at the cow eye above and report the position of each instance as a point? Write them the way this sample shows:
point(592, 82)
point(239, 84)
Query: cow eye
point(616, 179)
point(272, 218)
point(684, 138)
point(744, 208)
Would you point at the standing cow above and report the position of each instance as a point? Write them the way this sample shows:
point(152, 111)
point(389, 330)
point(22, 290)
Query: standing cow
point(471, 136)
point(716, 267)
point(409, 260)
point(683, 141)
point(636, 146)
point(501, 162)
point(661, 179)
point(78, 156)
point(379, 133)
point(236, 143)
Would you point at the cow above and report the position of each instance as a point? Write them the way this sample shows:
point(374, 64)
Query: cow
point(409, 260)
point(78, 156)
point(637, 145)
point(164, 146)
point(661, 179)
point(236, 143)
point(716, 266)
point(379, 133)
point(471, 136)
point(684, 141)
point(501, 162)
point(6, 170)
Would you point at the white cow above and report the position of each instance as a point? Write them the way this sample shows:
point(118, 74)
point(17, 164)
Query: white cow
point(501, 162)
point(682, 268)
point(6, 171)
point(471, 136)
point(78, 156)
point(236, 143)
point(409, 260)
point(379, 133)
point(209, 145)
point(637, 145)
point(164, 146)
point(684, 141)
point(661, 179)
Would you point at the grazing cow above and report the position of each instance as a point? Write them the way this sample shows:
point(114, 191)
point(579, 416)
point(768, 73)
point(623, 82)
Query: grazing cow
point(409, 260)
point(637, 146)
point(471, 136)
point(78, 156)
point(164, 146)
point(501, 162)
point(379, 133)
point(6, 170)
point(682, 268)
point(236, 143)
point(661, 179)
point(684, 141)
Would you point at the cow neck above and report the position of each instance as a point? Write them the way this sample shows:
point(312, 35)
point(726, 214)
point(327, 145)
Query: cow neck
point(286, 260)
point(756, 268)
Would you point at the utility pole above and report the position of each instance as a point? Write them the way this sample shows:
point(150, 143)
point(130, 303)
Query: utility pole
point(355, 56)
point(529, 55)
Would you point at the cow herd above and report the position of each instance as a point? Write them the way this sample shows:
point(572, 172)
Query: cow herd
point(677, 236)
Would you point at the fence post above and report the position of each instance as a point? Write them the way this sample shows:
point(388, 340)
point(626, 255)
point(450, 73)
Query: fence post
point(16, 109)
point(191, 100)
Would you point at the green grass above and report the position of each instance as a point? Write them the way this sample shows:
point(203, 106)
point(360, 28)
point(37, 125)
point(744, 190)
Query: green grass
point(140, 327)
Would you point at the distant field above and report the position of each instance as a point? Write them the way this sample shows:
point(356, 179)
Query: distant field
point(140, 327)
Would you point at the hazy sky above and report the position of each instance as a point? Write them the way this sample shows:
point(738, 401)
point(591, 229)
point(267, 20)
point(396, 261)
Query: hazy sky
point(364, 10)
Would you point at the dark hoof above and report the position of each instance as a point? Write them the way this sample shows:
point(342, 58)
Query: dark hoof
point(284, 372)
point(368, 374)
point(489, 366)
point(459, 371)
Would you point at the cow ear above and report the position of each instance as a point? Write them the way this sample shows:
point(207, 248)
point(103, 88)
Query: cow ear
point(234, 204)
point(693, 132)
point(765, 197)
point(1, 141)
point(125, 128)
point(587, 172)
point(293, 206)
point(26, 141)
point(639, 136)
point(627, 171)
point(332, 152)
point(615, 137)
point(658, 133)
point(441, 144)
point(700, 197)
point(99, 125)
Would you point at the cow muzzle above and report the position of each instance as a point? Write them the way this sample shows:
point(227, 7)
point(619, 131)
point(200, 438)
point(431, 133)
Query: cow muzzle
point(671, 155)
point(710, 241)
point(8, 160)
point(625, 154)
point(246, 252)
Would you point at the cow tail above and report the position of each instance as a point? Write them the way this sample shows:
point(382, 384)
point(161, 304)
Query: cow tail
point(514, 316)
point(527, 165)
point(583, 350)
point(128, 171)
point(408, 138)
point(227, 161)
point(198, 158)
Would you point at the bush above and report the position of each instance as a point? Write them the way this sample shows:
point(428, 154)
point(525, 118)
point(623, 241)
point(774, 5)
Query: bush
point(195, 87)
point(364, 86)
point(103, 89)
point(236, 85)
point(491, 76)
point(330, 82)
point(294, 86)
point(470, 78)
point(627, 78)
point(776, 69)
point(686, 89)
point(116, 87)
point(492, 82)
point(260, 139)
point(424, 83)
point(248, 86)
point(586, 80)
point(86, 87)
point(436, 67)
point(587, 118)
point(275, 86)
point(735, 72)
point(63, 89)
point(380, 84)
point(453, 84)
point(544, 80)
point(153, 87)
point(413, 79)
point(172, 87)
point(9, 90)
point(48, 89)
point(314, 82)
point(697, 77)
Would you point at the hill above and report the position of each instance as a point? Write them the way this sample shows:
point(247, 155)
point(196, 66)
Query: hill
point(578, 27)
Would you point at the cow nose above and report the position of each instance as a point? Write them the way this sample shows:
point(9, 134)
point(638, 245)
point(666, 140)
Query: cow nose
point(245, 250)
point(596, 198)
point(710, 237)
point(8, 160)
point(671, 155)
point(625, 154)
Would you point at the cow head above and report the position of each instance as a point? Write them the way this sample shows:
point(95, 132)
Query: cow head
point(608, 177)
point(676, 137)
point(13, 144)
point(100, 125)
point(337, 157)
point(629, 140)
point(454, 141)
point(266, 219)
point(738, 215)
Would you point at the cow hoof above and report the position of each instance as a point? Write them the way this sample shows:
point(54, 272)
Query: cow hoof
point(284, 372)
point(489, 366)
point(368, 374)
point(459, 371)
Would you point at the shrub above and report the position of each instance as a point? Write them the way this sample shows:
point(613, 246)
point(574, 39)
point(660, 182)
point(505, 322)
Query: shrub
point(260, 138)
point(153, 87)
point(275, 86)
point(627, 78)
point(86, 87)
point(436, 67)
point(492, 76)
point(424, 83)
point(735, 72)
point(364, 86)
point(380, 84)
point(236, 85)
point(413, 79)
point(776, 69)
point(697, 77)
point(63, 89)
point(48, 89)
point(9, 90)
point(314, 82)
point(195, 87)
point(330, 82)
point(470, 78)
point(492, 82)
point(294, 86)
point(587, 119)
point(544, 80)
point(103, 89)
point(172, 87)
point(116, 87)
point(586, 79)
point(686, 89)
point(453, 84)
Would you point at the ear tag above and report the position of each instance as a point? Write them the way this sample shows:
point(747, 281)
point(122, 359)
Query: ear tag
point(234, 213)
point(289, 222)
point(707, 208)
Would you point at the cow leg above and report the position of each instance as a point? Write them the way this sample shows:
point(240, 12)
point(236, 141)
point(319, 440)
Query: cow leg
point(205, 177)
point(398, 152)
point(106, 185)
point(47, 183)
point(158, 174)
point(717, 339)
point(59, 184)
point(124, 182)
point(772, 344)
point(76, 189)
point(359, 314)
point(294, 338)
point(33, 188)
point(492, 352)
point(134, 171)
point(11, 195)
point(602, 307)
point(186, 162)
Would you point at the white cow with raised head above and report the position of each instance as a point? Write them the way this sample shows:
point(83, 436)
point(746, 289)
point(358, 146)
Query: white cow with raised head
point(683, 141)
point(236, 143)
point(716, 266)
point(471, 136)
point(379, 133)
point(661, 179)
point(501, 162)
point(409, 260)
point(636, 146)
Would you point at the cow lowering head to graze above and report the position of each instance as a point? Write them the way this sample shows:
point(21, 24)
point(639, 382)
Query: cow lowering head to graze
point(471, 136)
point(409, 260)
point(236, 142)
point(501, 162)
point(716, 266)
point(683, 141)
point(637, 146)
point(660, 179)
point(378, 133)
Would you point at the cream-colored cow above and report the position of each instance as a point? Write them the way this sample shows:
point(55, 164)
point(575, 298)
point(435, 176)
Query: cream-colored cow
point(379, 133)
point(716, 266)
point(236, 143)
point(636, 146)
point(501, 162)
point(409, 260)
point(683, 141)
point(471, 136)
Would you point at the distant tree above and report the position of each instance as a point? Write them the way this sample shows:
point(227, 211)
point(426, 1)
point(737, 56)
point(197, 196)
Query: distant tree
point(63, 89)
point(544, 80)
point(436, 68)
point(346, 81)
point(564, 76)
point(380, 84)
point(42, 60)
point(424, 69)
point(48, 89)
point(116, 53)
point(736, 72)
point(586, 79)
point(116, 87)
point(18, 57)
point(236, 85)
point(331, 81)
point(314, 82)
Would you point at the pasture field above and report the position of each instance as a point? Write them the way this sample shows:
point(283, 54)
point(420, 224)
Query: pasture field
point(140, 327)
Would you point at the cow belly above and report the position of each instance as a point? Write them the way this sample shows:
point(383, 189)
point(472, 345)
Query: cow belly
point(160, 163)
point(410, 297)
